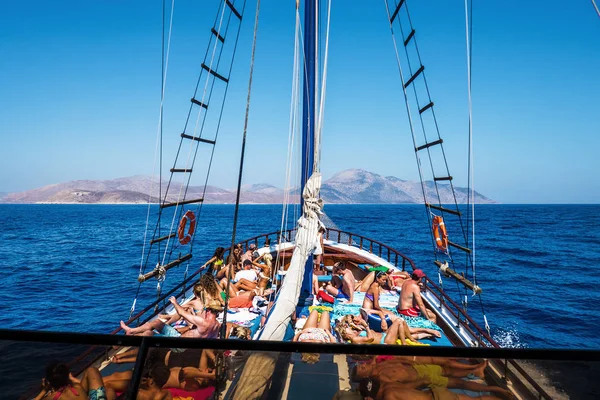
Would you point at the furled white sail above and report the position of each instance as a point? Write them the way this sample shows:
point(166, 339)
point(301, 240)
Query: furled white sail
point(306, 237)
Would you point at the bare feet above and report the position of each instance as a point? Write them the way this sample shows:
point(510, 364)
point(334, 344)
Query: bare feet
point(480, 371)
point(434, 332)
point(125, 328)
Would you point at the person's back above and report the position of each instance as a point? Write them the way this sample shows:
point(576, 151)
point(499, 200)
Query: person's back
point(151, 388)
point(70, 392)
point(248, 274)
point(407, 294)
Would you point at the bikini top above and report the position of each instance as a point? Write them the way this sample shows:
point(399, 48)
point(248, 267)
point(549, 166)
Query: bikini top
point(60, 391)
point(218, 262)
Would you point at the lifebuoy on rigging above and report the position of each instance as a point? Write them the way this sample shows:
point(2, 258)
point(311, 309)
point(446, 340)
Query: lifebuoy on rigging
point(439, 233)
point(186, 237)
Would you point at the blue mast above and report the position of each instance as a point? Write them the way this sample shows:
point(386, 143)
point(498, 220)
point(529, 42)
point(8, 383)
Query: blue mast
point(308, 124)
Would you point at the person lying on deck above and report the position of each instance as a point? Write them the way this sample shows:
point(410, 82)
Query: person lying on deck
point(205, 323)
point(431, 375)
point(246, 279)
point(410, 303)
point(373, 389)
point(154, 377)
point(61, 385)
point(342, 282)
point(316, 330)
point(357, 331)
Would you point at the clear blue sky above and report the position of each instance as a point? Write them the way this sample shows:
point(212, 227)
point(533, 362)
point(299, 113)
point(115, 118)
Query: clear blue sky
point(81, 85)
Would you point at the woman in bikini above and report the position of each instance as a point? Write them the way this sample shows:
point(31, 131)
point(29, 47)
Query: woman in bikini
point(59, 384)
point(397, 331)
point(316, 330)
point(371, 301)
point(216, 261)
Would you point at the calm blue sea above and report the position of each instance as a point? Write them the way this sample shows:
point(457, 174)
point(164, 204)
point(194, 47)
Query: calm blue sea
point(74, 267)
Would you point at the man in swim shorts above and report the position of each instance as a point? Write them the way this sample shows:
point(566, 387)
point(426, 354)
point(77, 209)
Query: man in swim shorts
point(342, 285)
point(411, 303)
point(371, 388)
point(421, 375)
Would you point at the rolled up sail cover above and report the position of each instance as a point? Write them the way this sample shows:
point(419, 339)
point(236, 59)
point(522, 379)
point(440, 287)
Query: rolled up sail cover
point(306, 238)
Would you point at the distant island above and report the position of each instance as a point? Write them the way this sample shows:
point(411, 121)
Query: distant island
point(352, 186)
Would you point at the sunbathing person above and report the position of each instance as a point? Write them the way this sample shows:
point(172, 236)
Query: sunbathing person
point(61, 385)
point(342, 283)
point(151, 385)
point(410, 303)
point(316, 330)
point(208, 289)
point(371, 388)
point(399, 330)
point(205, 323)
point(232, 264)
point(196, 377)
point(371, 301)
point(216, 262)
point(421, 375)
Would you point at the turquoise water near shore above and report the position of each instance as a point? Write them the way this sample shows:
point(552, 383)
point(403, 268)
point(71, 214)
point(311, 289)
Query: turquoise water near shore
point(74, 267)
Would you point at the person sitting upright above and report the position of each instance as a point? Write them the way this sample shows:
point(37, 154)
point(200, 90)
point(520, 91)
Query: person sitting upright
point(205, 323)
point(411, 303)
point(247, 278)
point(342, 283)
point(371, 301)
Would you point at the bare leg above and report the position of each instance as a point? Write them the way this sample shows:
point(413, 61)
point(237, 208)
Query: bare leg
point(118, 381)
point(460, 370)
point(312, 320)
point(395, 332)
point(92, 380)
point(315, 285)
point(128, 356)
point(366, 282)
point(244, 284)
point(325, 321)
point(332, 290)
point(426, 332)
point(477, 387)
point(143, 329)
point(431, 315)
point(348, 287)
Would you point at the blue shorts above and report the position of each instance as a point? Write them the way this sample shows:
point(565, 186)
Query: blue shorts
point(97, 394)
point(169, 331)
point(342, 295)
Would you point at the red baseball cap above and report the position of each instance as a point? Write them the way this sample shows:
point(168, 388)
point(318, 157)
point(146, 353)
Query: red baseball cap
point(418, 273)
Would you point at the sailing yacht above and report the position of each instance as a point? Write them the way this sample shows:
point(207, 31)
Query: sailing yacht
point(332, 289)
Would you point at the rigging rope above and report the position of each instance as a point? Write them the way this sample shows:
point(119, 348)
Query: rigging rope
point(471, 189)
point(294, 109)
point(158, 146)
point(596, 7)
point(319, 126)
point(239, 183)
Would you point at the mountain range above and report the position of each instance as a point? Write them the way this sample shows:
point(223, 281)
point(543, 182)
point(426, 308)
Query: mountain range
point(352, 186)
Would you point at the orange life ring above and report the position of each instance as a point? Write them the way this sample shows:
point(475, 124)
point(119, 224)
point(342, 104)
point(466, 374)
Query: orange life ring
point(439, 233)
point(185, 238)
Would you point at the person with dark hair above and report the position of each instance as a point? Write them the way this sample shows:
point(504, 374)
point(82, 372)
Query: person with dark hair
point(434, 376)
point(205, 323)
point(410, 303)
point(371, 388)
point(371, 301)
point(61, 385)
point(342, 283)
point(216, 261)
